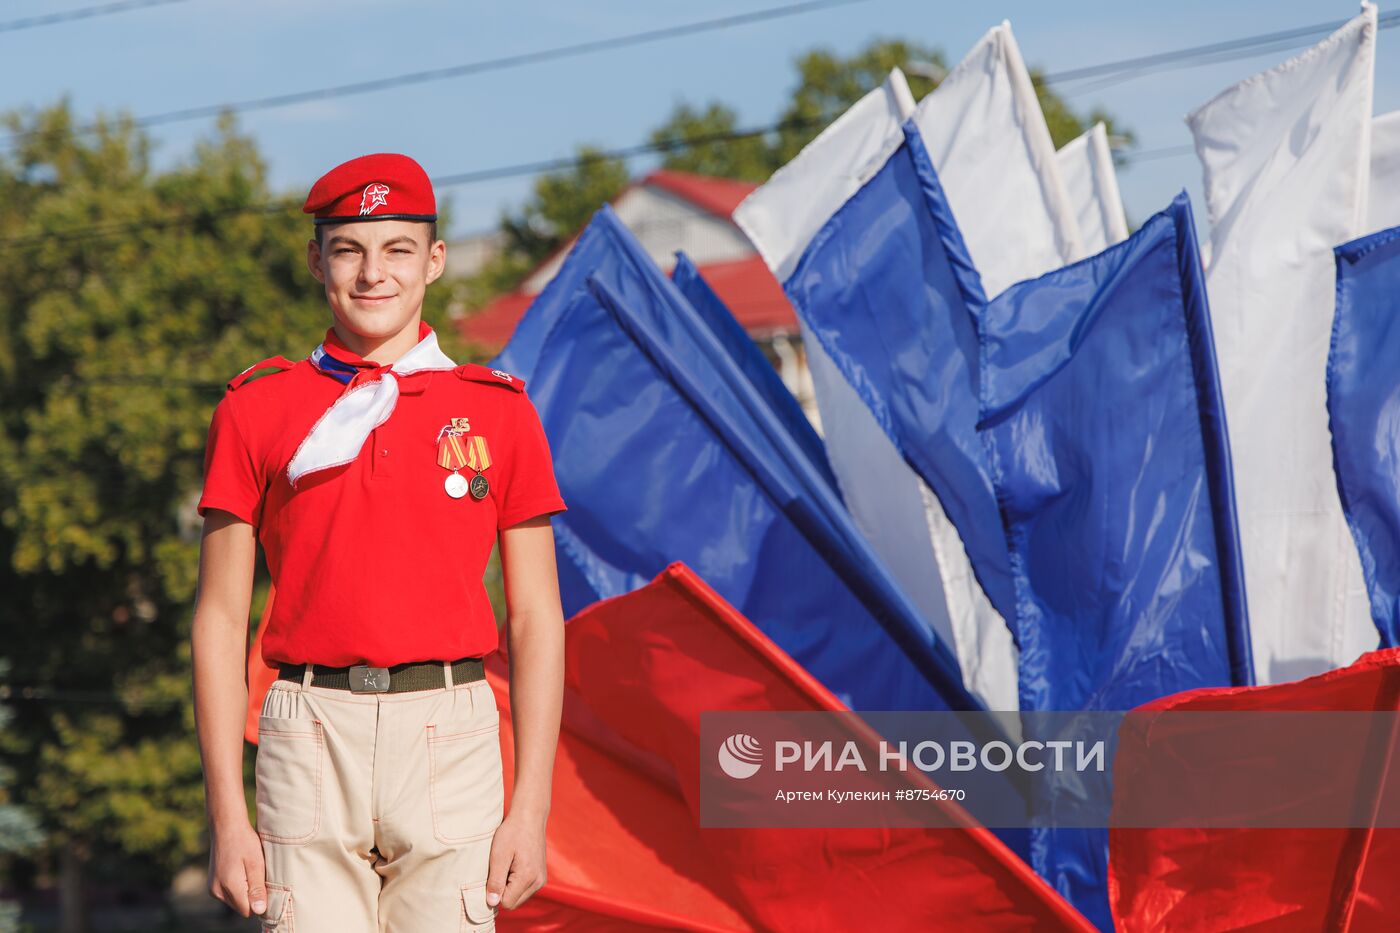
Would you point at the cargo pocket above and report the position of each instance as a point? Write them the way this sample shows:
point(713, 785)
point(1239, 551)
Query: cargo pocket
point(476, 915)
point(288, 779)
point(465, 786)
point(278, 916)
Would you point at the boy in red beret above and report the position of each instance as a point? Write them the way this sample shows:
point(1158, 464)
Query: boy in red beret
point(377, 473)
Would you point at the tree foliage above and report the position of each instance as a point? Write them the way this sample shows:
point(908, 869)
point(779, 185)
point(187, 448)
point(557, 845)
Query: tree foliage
point(720, 153)
point(561, 203)
point(828, 84)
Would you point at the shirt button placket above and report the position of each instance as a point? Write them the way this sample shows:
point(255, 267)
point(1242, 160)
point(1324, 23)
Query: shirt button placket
point(383, 459)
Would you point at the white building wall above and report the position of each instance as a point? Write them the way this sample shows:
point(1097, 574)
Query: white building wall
point(663, 223)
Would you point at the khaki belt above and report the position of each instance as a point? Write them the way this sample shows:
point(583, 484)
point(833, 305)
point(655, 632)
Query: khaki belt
point(398, 678)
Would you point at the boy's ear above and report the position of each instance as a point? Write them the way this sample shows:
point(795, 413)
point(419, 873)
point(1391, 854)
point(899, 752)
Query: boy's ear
point(437, 260)
point(313, 260)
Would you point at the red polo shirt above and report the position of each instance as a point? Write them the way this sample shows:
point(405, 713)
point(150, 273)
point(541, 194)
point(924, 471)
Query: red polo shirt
point(373, 562)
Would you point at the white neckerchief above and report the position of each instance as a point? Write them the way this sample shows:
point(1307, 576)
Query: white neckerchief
point(339, 435)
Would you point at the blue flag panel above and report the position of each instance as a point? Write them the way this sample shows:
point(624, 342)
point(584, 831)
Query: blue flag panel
point(752, 363)
point(1363, 404)
point(523, 350)
point(888, 289)
point(665, 452)
point(1105, 426)
point(1102, 414)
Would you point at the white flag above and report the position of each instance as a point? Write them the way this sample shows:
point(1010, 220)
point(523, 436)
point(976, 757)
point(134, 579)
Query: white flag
point(1286, 156)
point(1086, 165)
point(988, 141)
point(1384, 210)
point(784, 214)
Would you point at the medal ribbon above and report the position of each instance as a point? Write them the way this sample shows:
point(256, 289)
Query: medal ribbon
point(452, 451)
point(477, 456)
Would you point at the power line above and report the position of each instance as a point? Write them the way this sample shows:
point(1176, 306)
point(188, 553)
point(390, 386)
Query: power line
point(153, 380)
point(102, 231)
point(117, 228)
point(478, 67)
point(1162, 152)
point(628, 152)
point(1111, 73)
point(99, 231)
point(90, 12)
point(11, 693)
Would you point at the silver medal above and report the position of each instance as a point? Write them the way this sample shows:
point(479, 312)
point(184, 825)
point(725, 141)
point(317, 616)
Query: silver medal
point(456, 485)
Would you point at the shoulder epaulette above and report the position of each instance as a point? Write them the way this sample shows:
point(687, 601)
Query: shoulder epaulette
point(475, 372)
point(280, 362)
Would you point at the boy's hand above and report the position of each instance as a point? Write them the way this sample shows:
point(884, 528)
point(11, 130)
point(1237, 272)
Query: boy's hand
point(517, 861)
point(236, 871)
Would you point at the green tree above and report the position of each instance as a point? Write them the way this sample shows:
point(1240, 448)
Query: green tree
point(1065, 124)
point(702, 140)
point(724, 155)
point(134, 295)
point(561, 203)
point(828, 84)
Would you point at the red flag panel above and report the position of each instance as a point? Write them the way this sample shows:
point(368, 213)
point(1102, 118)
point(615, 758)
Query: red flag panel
point(649, 662)
point(1265, 879)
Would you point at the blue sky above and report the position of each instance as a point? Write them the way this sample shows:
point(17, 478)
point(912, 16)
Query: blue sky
point(208, 51)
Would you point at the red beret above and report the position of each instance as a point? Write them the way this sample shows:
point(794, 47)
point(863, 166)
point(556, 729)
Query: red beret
point(383, 186)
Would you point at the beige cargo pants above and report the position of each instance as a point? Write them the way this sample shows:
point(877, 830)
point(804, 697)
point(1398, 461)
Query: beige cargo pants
point(376, 810)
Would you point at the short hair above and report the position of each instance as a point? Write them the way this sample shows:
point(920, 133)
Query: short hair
point(432, 234)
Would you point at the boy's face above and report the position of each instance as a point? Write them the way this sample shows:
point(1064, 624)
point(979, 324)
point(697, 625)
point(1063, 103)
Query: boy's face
point(376, 272)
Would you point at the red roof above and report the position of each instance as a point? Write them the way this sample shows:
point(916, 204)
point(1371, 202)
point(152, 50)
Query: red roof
point(492, 325)
point(716, 195)
point(750, 291)
point(744, 285)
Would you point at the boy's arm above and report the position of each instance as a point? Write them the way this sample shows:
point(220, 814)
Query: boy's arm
point(536, 642)
point(219, 644)
point(219, 647)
